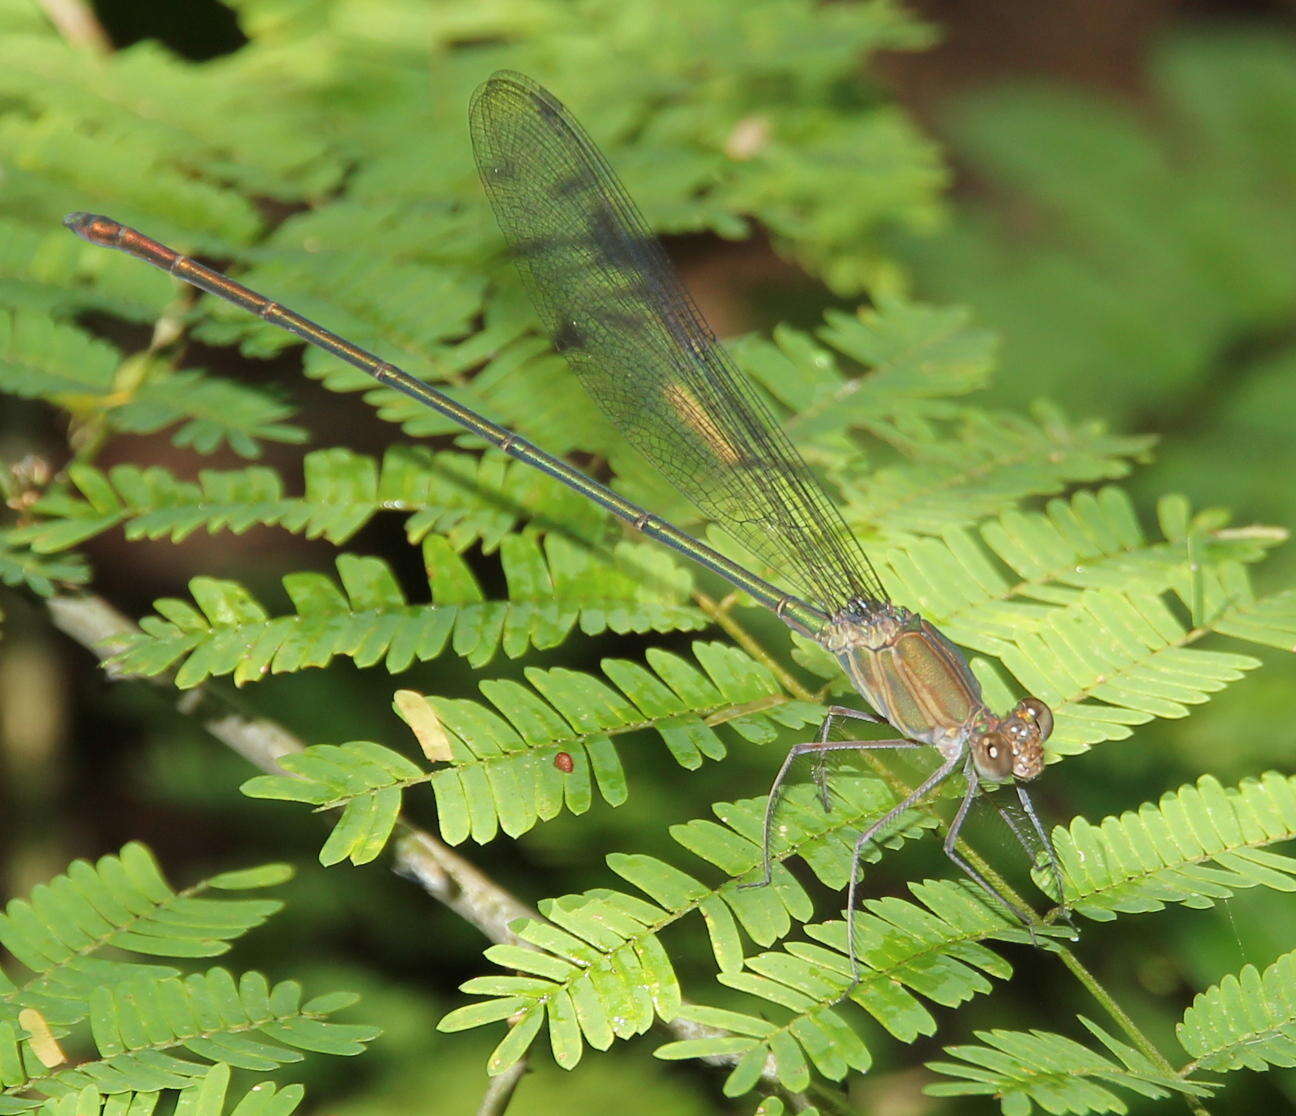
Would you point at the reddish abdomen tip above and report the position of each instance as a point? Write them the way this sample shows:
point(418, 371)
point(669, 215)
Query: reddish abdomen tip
point(94, 227)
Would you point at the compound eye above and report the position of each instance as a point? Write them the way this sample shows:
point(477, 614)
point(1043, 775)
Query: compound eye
point(1038, 712)
point(993, 757)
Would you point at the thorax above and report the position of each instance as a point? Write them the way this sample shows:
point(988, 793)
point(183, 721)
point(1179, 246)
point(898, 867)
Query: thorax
point(908, 672)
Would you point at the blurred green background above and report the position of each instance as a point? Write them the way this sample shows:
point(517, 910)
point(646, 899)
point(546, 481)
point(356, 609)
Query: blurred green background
point(1109, 186)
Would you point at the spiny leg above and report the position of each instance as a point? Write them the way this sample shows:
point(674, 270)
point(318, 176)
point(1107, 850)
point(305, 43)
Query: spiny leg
point(951, 839)
point(1011, 821)
point(771, 802)
point(933, 780)
point(820, 772)
point(1036, 843)
point(1052, 855)
point(820, 745)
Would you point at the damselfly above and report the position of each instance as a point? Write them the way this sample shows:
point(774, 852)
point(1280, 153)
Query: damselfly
point(614, 307)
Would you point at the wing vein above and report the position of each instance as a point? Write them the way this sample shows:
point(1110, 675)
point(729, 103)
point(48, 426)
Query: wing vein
point(614, 306)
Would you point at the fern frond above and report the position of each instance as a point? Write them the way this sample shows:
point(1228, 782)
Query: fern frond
point(1196, 846)
point(1245, 1021)
point(124, 903)
point(204, 113)
point(1113, 660)
point(1090, 542)
point(461, 497)
point(598, 971)
point(144, 1017)
point(1270, 621)
point(363, 778)
point(906, 950)
point(38, 572)
point(63, 165)
point(48, 359)
point(418, 309)
point(503, 771)
point(198, 146)
point(1024, 1069)
point(985, 465)
point(918, 358)
point(1085, 624)
point(1093, 540)
point(915, 354)
point(207, 411)
point(244, 1022)
point(42, 358)
point(368, 618)
point(204, 1096)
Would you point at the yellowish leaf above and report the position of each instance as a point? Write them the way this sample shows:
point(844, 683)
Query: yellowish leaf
point(417, 712)
point(41, 1039)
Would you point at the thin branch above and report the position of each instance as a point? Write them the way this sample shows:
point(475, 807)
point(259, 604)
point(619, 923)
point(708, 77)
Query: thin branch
point(417, 855)
point(499, 1092)
point(75, 20)
point(719, 612)
point(1126, 1024)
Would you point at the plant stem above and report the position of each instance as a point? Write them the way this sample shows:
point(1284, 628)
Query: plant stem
point(1090, 983)
point(500, 1091)
point(719, 612)
point(417, 855)
point(77, 23)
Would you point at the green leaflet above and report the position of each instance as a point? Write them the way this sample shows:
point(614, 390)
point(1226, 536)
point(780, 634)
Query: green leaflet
point(38, 572)
point(363, 778)
point(977, 465)
point(204, 1095)
point(244, 1022)
point(503, 775)
point(1244, 1021)
point(917, 356)
point(774, 1106)
point(466, 499)
point(1023, 1069)
point(52, 360)
point(1196, 846)
point(122, 902)
point(600, 954)
point(147, 1021)
point(553, 586)
point(907, 951)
